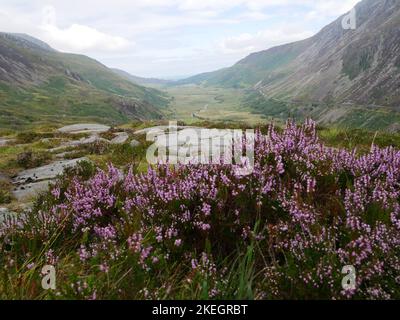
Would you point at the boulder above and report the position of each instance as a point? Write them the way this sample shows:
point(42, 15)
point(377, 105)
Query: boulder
point(84, 128)
point(120, 137)
point(135, 143)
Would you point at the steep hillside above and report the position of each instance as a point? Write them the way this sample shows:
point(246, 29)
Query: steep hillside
point(359, 66)
point(38, 83)
point(252, 69)
point(140, 80)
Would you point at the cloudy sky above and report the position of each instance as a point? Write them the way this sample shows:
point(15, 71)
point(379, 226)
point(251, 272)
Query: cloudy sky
point(168, 38)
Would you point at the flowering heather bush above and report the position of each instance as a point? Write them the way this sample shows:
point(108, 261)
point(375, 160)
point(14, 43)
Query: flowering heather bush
point(201, 231)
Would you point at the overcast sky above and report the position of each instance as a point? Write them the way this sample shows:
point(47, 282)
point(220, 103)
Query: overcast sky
point(168, 38)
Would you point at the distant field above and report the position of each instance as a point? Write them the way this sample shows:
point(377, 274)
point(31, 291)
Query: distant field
point(193, 103)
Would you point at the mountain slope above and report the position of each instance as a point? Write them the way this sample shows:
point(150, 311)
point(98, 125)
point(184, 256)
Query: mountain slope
point(140, 80)
point(38, 83)
point(359, 66)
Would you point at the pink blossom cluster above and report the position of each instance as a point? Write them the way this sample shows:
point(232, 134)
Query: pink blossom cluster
point(310, 208)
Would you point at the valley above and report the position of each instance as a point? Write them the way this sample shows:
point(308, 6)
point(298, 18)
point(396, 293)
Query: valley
point(196, 102)
point(79, 193)
point(193, 103)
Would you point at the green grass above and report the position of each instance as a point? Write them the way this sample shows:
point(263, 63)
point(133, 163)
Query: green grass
point(358, 138)
point(240, 277)
point(72, 88)
point(193, 103)
point(342, 116)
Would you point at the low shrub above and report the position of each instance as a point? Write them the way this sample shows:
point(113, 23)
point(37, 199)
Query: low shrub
point(32, 159)
point(202, 231)
point(98, 147)
point(27, 137)
point(5, 192)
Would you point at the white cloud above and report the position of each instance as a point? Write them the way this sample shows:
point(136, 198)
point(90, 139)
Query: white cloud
point(169, 37)
point(218, 6)
point(76, 37)
point(246, 43)
point(331, 7)
point(326, 6)
point(80, 38)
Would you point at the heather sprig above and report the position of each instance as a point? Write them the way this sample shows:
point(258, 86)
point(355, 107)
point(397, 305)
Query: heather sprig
point(305, 211)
